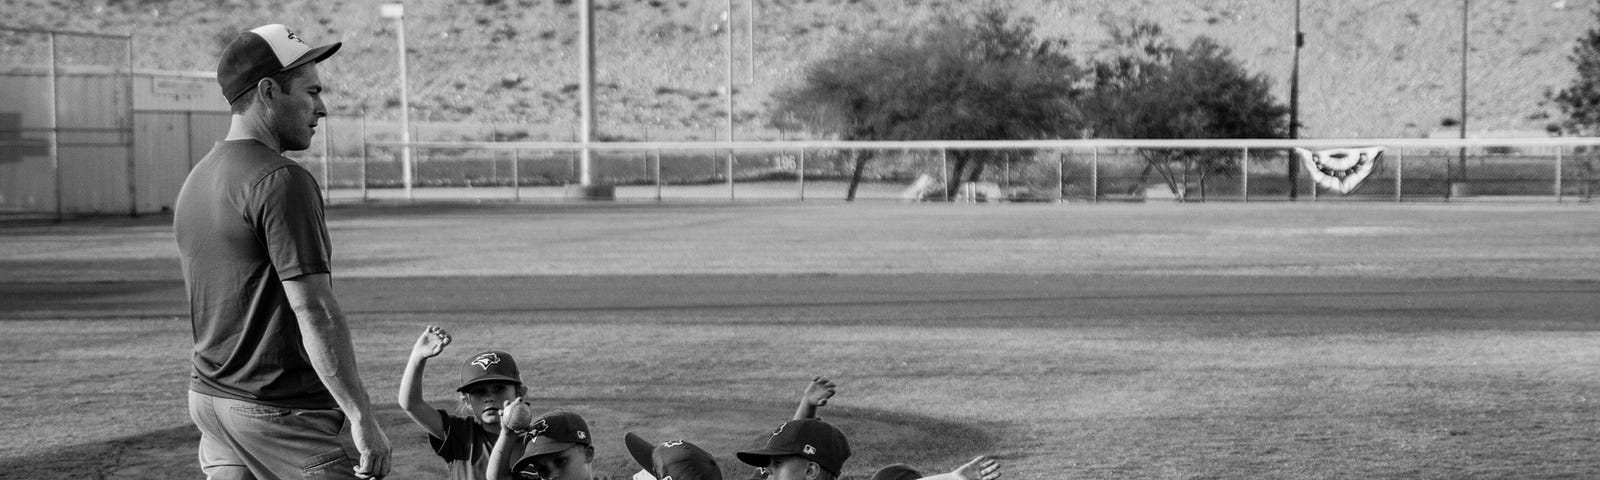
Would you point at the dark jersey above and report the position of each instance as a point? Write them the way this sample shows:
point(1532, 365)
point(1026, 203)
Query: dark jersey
point(246, 219)
point(464, 448)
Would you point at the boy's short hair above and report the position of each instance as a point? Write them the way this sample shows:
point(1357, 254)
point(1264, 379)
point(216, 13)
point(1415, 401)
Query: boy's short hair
point(489, 366)
point(808, 438)
point(674, 460)
point(554, 432)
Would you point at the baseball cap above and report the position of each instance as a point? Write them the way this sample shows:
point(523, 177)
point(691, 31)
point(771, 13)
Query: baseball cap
point(673, 460)
point(261, 52)
point(898, 471)
point(553, 432)
point(489, 366)
point(813, 439)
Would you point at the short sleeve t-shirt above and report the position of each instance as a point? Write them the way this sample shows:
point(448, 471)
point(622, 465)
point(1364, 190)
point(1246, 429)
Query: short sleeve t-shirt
point(465, 447)
point(246, 219)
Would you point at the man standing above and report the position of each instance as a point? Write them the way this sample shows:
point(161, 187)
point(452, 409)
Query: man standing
point(274, 388)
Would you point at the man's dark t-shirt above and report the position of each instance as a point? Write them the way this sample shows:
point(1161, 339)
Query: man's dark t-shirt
point(246, 219)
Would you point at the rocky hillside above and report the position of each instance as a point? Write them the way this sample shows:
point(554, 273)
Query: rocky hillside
point(1370, 67)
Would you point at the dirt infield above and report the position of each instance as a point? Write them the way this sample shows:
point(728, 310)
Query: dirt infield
point(1237, 341)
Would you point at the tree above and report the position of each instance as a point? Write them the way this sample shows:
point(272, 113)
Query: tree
point(983, 77)
point(1580, 101)
point(1145, 87)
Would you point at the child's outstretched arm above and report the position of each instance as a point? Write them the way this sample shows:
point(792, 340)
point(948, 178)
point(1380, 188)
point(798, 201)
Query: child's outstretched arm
point(981, 468)
point(508, 447)
point(816, 395)
point(429, 344)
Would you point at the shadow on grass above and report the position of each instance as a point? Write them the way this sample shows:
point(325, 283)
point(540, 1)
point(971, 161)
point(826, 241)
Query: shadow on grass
point(877, 438)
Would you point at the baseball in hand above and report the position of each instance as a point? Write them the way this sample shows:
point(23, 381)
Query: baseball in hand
point(518, 417)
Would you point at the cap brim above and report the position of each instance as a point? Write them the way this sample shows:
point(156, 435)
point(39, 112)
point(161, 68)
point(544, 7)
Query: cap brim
point(535, 449)
point(488, 378)
point(641, 450)
point(762, 457)
point(315, 55)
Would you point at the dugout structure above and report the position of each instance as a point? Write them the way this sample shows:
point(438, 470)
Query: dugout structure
point(84, 133)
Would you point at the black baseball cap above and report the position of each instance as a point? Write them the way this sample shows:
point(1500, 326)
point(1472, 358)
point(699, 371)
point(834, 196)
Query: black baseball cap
point(261, 52)
point(813, 439)
point(673, 460)
point(554, 432)
point(489, 366)
point(898, 471)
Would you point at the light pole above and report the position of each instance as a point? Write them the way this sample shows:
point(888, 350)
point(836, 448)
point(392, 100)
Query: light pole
point(1464, 85)
point(1294, 99)
point(586, 90)
point(728, 16)
point(397, 12)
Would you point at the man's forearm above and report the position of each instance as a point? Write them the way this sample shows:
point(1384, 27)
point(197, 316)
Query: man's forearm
point(326, 339)
point(332, 354)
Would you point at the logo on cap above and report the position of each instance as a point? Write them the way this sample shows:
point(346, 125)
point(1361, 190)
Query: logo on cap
point(674, 443)
point(538, 428)
point(486, 360)
point(582, 436)
point(778, 430)
point(810, 450)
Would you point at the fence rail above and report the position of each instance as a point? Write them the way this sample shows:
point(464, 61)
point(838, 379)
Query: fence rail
point(1556, 169)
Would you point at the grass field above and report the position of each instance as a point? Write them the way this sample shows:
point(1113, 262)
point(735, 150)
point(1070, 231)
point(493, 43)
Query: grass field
point(1109, 341)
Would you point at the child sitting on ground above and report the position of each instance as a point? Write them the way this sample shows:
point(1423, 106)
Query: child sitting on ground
point(489, 382)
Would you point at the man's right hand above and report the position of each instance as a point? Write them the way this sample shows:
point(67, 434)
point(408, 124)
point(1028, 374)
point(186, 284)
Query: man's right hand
point(431, 342)
point(374, 447)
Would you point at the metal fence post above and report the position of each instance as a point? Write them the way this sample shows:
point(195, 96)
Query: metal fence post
point(1244, 175)
point(801, 170)
point(516, 174)
point(55, 126)
point(1399, 173)
point(327, 138)
point(1094, 175)
point(364, 179)
point(1558, 174)
point(657, 175)
point(188, 139)
point(944, 172)
point(730, 175)
point(1061, 178)
point(133, 177)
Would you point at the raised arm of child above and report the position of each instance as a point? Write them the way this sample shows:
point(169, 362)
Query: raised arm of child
point(429, 344)
point(981, 468)
point(816, 395)
point(508, 447)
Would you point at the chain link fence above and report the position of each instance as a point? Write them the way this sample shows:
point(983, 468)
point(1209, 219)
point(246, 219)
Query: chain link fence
point(802, 171)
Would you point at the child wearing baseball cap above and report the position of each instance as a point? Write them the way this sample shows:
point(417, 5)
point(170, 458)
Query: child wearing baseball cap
point(671, 460)
point(803, 449)
point(558, 445)
point(490, 383)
